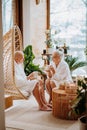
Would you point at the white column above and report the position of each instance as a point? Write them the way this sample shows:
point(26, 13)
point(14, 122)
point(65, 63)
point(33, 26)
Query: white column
point(26, 22)
point(2, 116)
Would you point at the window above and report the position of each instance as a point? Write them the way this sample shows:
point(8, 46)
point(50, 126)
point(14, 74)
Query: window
point(68, 18)
point(11, 14)
point(7, 15)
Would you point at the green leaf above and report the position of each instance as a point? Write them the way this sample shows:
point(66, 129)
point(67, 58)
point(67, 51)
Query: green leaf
point(29, 66)
point(74, 62)
point(78, 64)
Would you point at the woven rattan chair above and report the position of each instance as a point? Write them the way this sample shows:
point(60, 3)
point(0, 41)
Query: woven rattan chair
point(12, 41)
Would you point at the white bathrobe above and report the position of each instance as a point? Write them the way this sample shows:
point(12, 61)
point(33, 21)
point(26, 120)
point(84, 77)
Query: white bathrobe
point(62, 73)
point(21, 80)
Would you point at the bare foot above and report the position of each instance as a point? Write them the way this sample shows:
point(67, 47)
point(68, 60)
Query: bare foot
point(50, 101)
point(49, 105)
point(45, 108)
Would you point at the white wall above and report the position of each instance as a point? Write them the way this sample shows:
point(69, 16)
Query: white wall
point(26, 22)
point(2, 116)
point(34, 25)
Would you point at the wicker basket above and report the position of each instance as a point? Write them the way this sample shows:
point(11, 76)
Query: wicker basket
point(61, 102)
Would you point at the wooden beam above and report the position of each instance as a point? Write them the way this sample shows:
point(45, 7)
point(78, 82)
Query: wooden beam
point(48, 14)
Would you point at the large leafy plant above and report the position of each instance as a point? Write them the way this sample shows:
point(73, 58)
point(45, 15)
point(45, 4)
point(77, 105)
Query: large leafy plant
point(74, 62)
point(79, 104)
point(29, 66)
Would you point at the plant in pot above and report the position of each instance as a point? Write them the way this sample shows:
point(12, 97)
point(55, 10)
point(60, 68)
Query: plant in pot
point(78, 106)
point(49, 41)
point(29, 66)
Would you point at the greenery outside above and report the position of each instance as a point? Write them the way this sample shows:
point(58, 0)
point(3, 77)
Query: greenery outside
point(74, 62)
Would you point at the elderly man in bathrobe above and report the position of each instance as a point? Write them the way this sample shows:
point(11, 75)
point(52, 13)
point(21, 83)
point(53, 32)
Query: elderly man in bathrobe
point(58, 72)
point(29, 84)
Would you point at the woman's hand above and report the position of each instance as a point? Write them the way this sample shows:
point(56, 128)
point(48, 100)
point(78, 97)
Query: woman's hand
point(52, 69)
point(49, 74)
point(31, 76)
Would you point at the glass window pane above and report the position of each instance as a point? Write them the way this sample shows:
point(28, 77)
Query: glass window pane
point(7, 15)
point(68, 18)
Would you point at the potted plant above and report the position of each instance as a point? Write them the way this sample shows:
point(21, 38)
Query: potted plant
point(78, 105)
point(49, 41)
point(29, 66)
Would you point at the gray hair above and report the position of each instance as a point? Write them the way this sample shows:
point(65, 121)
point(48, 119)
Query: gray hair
point(19, 53)
point(60, 52)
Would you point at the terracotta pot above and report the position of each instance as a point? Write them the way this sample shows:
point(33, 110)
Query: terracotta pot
point(83, 122)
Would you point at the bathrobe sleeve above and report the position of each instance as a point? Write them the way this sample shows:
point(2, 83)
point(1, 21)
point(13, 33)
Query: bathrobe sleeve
point(20, 77)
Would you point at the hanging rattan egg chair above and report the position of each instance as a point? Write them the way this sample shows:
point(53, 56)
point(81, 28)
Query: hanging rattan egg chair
point(12, 41)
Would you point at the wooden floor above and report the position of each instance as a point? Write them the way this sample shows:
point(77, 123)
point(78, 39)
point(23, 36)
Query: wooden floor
point(12, 129)
point(23, 112)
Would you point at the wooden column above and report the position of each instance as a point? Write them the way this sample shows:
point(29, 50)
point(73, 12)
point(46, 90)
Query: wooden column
point(48, 14)
point(17, 9)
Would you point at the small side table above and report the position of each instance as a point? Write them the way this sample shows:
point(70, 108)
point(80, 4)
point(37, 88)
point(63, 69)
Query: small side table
point(61, 104)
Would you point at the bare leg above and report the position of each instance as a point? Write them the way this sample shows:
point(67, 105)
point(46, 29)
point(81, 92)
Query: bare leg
point(52, 84)
point(42, 95)
point(36, 94)
point(48, 88)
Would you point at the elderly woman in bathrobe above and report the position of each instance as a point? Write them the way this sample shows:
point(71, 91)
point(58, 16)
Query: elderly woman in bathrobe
point(29, 84)
point(58, 72)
